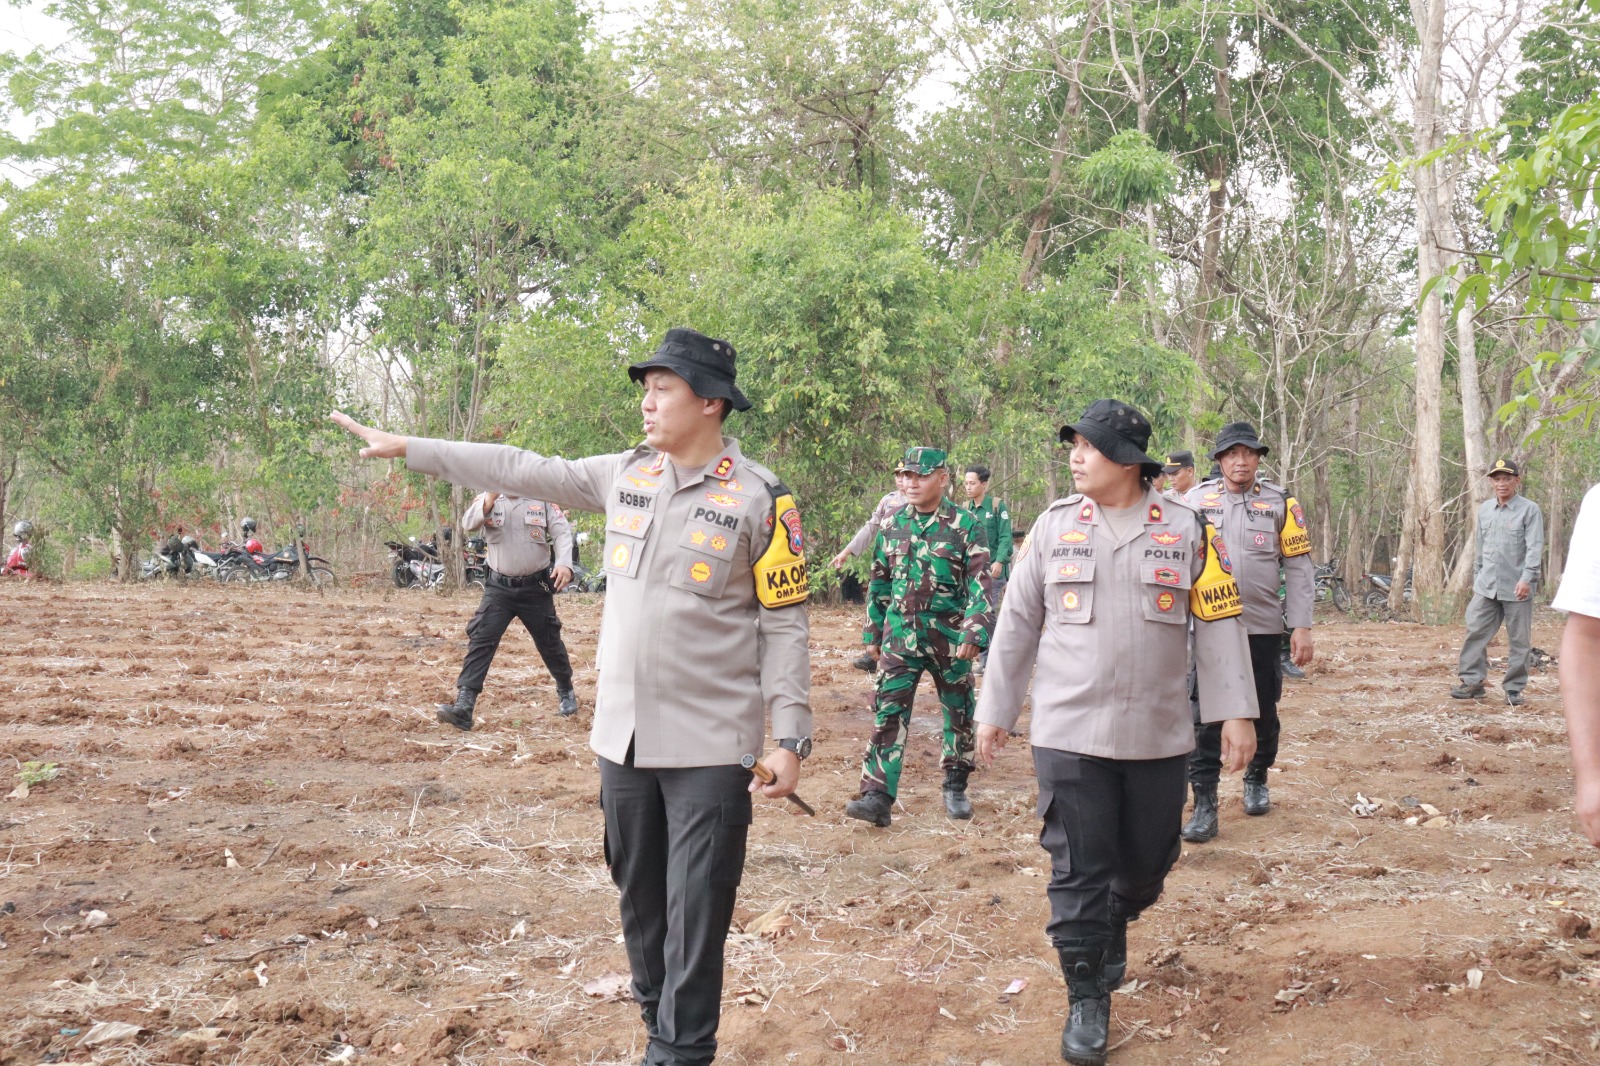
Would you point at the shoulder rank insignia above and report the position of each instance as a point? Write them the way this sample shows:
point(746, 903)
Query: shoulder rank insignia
point(654, 466)
point(1155, 512)
point(1086, 513)
point(723, 468)
point(780, 571)
point(1215, 595)
point(1294, 539)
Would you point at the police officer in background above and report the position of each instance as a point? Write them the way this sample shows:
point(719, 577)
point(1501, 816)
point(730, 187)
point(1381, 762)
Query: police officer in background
point(1504, 576)
point(1264, 529)
point(1102, 593)
point(890, 505)
point(1179, 472)
point(704, 636)
point(524, 537)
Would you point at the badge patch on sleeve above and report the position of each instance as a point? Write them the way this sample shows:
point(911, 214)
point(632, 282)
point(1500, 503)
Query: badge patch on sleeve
point(780, 571)
point(1295, 539)
point(1215, 594)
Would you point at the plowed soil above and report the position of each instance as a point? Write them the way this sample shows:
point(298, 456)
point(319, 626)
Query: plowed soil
point(259, 847)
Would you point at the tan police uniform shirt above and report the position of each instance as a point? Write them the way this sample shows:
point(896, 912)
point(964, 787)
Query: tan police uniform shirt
point(520, 534)
point(1101, 623)
point(1252, 525)
point(891, 504)
point(689, 659)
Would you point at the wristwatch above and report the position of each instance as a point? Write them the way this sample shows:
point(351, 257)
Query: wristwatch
point(801, 746)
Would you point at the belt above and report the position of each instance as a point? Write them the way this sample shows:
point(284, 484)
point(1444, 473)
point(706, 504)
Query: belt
point(507, 581)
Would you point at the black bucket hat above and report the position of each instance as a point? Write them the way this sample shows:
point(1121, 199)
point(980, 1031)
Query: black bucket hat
point(1238, 433)
point(705, 363)
point(1118, 431)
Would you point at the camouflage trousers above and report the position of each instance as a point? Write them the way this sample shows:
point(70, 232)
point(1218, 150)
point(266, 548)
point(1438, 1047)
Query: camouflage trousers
point(898, 677)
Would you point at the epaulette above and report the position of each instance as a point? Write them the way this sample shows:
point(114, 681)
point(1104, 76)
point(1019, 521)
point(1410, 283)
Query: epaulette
point(772, 481)
point(1066, 501)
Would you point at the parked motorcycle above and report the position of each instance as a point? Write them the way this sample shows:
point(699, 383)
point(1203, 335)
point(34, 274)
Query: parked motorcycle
point(418, 564)
point(285, 564)
point(1381, 585)
point(415, 565)
point(1330, 585)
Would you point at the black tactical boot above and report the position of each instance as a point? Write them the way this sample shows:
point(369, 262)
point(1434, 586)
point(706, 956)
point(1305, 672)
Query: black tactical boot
point(1257, 798)
point(1202, 824)
point(569, 702)
point(459, 713)
point(1083, 1039)
point(956, 804)
point(865, 662)
point(871, 807)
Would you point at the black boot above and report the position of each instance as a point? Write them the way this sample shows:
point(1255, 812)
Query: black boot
point(1257, 798)
point(1202, 824)
point(459, 713)
point(569, 701)
point(1083, 1039)
point(871, 807)
point(956, 804)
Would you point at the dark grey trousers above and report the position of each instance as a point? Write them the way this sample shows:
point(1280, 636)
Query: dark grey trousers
point(536, 609)
point(1484, 616)
point(1111, 828)
point(1266, 665)
point(675, 842)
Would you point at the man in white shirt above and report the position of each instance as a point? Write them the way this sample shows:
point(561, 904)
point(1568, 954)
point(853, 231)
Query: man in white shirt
point(1579, 596)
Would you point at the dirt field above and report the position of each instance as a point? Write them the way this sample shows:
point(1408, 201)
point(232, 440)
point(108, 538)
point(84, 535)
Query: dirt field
point(260, 848)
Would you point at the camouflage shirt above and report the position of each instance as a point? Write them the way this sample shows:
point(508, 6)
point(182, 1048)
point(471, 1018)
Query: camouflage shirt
point(930, 588)
point(994, 517)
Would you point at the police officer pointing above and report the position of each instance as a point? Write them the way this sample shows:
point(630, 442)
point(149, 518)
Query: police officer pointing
point(704, 636)
point(1265, 529)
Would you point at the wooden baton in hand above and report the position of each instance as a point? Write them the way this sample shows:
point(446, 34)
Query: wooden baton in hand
point(766, 777)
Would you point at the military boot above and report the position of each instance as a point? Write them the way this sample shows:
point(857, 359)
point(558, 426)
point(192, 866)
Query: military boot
point(956, 804)
point(569, 701)
point(1084, 1037)
point(1257, 798)
point(871, 807)
point(459, 713)
point(1202, 824)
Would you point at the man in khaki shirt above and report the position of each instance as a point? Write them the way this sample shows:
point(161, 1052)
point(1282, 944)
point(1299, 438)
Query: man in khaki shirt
point(1100, 600)
point(524, 538)
point(704, 634)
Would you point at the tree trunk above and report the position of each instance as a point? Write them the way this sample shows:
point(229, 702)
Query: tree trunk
point(1216, 201)
point(1423, 536)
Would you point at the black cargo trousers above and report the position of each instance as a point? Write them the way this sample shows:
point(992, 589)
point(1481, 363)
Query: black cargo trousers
point(504, 599)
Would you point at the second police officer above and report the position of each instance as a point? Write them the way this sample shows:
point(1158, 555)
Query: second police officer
point(524, 537)
point(1265, 529)
point(1102, 594)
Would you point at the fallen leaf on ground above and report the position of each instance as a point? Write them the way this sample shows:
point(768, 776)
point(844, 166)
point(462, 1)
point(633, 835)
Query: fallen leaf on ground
point(774, 921)
point(106, 1032)
point(610, 987)
point(95, 919)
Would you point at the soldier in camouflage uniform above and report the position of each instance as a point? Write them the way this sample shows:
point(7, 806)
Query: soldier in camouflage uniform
point(930, 607)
